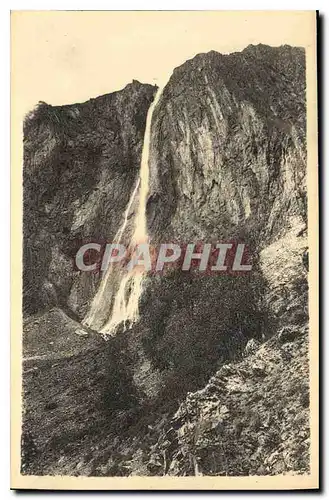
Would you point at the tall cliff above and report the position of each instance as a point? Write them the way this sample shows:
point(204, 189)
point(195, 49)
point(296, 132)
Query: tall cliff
point(229, 148)
point(210, 353)
point(228, 163)
point(81, 162)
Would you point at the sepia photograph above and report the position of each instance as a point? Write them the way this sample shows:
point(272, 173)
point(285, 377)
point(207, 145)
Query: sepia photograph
point(164, 250)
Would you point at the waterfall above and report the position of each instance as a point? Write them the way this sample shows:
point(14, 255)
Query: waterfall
point(117, 299)
point(102, 297)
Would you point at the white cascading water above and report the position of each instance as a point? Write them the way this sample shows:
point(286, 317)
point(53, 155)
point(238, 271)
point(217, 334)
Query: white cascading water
point(125, 310)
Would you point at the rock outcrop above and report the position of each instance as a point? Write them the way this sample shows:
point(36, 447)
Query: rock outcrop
point(228, 163)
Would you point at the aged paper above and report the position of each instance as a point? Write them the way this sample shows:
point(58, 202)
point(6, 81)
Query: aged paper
point(164, 222)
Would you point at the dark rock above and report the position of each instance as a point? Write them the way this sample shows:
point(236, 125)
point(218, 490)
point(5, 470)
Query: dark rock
point(287, 334)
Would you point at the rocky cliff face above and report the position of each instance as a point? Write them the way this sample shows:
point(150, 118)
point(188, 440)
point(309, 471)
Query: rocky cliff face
point(227, 162)
point(229, 148)
point(81, 162)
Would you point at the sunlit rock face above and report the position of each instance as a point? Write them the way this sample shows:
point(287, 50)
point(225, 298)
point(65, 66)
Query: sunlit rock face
point(213, 376)
point(228, 146)
point(229, 161)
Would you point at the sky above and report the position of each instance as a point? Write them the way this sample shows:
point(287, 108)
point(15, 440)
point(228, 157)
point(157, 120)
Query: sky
point(63, 57)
